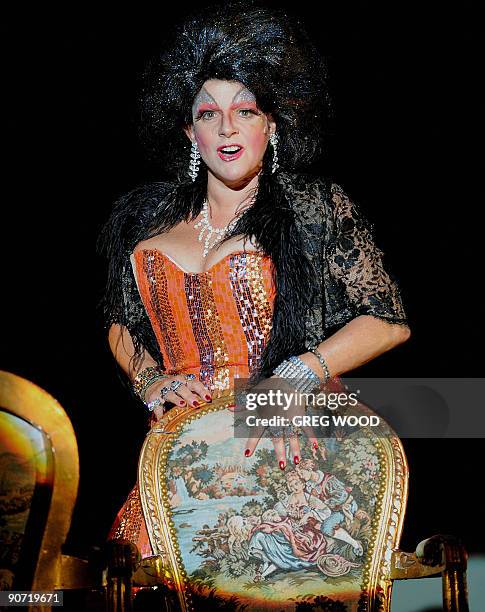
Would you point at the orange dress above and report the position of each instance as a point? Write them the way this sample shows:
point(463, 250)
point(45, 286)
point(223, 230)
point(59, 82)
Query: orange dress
point(213, 324)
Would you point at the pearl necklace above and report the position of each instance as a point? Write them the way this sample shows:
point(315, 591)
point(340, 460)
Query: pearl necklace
point(219, 231)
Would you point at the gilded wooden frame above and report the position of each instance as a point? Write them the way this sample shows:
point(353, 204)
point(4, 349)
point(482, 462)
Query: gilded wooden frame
point(386, 527)
point(34, 405)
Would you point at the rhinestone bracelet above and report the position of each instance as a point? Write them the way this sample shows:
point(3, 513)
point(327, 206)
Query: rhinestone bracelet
point(146, 378)
point(323, 363)
point(298, 374)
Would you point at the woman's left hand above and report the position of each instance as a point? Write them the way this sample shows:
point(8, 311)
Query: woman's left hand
point(288, 408)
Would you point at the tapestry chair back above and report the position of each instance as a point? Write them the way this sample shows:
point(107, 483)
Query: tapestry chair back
point(238, 533)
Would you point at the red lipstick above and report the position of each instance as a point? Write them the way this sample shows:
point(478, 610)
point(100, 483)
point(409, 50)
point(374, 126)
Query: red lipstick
point(230, 152)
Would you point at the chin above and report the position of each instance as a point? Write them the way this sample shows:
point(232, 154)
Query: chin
point(231, 173)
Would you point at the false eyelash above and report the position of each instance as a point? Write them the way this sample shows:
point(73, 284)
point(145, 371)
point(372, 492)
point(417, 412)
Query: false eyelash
point(251, 110)
point(201, 114)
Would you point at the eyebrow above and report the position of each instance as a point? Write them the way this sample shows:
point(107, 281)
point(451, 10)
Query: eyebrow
point(204, 100)
point(248, 104)
point(203, 97)
point(244, 95)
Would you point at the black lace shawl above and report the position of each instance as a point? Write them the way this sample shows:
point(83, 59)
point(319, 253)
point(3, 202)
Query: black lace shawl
point(328, 267)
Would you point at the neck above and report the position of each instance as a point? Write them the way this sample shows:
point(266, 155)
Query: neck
point(225, 199)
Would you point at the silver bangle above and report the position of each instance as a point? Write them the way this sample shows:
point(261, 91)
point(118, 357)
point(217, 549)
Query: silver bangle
point(298, 374)
point(323, 363)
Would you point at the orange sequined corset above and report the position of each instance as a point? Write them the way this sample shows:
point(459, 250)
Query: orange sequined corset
point(214, 323)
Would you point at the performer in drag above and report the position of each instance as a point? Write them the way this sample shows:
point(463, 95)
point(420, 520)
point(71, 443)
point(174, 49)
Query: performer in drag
point(239, 263)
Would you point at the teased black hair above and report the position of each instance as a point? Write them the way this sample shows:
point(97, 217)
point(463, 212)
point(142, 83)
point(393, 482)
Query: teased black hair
point(271, 55)
point(260, 47)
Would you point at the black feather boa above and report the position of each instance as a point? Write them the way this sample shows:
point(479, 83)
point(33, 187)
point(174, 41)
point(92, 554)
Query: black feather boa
point(154, 208)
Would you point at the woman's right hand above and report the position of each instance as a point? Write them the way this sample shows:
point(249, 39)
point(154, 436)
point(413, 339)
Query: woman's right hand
point(190, 393)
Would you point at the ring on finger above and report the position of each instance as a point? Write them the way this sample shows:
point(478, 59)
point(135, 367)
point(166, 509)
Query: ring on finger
point(164, 391)
point(274, 431)
point(294, 431)
point(289, 431)
point(189, 376)
point(173, 386)
point(154, 404)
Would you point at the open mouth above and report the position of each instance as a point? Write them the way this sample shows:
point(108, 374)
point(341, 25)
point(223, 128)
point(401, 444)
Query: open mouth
point(230, 152)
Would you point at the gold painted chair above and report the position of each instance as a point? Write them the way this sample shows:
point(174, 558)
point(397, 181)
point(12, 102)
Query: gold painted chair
point(38, 487)
point(227, 531)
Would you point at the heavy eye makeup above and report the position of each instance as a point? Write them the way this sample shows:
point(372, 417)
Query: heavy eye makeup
point(247, 112)
point(244, 111)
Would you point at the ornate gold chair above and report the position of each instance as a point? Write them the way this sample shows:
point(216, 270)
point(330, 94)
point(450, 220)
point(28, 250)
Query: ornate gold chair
point(229, 532)
point(38, 487)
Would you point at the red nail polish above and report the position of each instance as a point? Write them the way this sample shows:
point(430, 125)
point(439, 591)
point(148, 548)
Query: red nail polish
point(208, 397)
point(182, 403)
point(196, 404)
point(315, 445)
point(247, 452)
point(282, 465)
point(296, 460)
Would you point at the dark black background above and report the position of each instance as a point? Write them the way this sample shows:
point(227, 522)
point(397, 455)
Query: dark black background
point(403, 78)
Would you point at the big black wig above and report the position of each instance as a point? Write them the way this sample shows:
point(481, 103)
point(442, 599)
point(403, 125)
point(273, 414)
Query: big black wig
point(262, 48)
point(271, 55)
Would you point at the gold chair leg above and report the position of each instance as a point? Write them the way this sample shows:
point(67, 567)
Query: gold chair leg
point(122, 559)
point(455, 591)
point(450, 550)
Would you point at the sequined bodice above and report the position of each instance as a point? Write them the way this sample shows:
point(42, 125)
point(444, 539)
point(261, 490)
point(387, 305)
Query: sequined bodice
point(214, 323)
